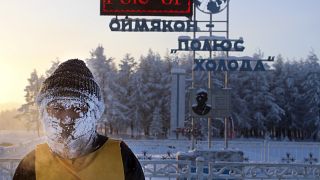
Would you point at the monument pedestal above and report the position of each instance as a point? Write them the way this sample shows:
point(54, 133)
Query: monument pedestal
point(228, 155)
point(205, 156)
point(177, 115)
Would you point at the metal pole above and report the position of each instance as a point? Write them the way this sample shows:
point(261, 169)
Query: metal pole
point(209, 88)
point(192, 74)
point(226, 143)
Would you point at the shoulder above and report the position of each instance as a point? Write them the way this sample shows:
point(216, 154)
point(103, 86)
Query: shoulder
point(126, 152)
point(124, 146)
point(26, 167)
point(131, 165)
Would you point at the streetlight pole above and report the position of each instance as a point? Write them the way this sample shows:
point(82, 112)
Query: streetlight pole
point(226, 143)
point(192, 74)
point(209, 87)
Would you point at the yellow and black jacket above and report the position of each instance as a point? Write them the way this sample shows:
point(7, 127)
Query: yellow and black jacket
point(113, 160)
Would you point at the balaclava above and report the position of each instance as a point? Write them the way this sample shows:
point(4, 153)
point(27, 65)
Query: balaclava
point(71, 85)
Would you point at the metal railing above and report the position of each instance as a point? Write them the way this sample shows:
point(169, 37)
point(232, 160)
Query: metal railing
point(7, 168)
point(200, 170)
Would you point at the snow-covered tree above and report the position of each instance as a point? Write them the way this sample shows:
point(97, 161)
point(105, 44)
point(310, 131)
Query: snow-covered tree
point(104, 71)
point(254, 108)
point(311, 87)
point(29, 111)
point(240, 112)
point(156, 123)
point(137, 105)
point(149, 73)
point(126, 92)
point(167, 65)
point(53, 67)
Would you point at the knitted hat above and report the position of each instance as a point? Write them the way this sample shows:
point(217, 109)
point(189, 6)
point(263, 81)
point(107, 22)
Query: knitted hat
point(72, 79)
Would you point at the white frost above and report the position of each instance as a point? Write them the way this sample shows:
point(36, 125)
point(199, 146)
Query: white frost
point(82, 134)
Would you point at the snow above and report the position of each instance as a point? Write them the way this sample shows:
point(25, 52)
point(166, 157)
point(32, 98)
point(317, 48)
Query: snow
point(156, 123)
point(201, 90)
point(213, 38)
point(16, 137)
point(92, 101)
point(184, 37)
point(238, 58)
point(82, 129)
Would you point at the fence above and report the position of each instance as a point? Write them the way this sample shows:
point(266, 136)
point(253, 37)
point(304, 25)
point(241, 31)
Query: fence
point(7, 168)
point(201, 170)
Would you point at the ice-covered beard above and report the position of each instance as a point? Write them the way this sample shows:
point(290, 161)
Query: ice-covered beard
point(70, 138)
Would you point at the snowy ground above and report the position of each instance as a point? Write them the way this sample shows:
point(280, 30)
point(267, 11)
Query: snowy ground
point(16, 137)
point(255, 150)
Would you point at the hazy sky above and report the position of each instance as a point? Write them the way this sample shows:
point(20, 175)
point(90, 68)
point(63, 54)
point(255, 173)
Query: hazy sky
point(35, 32)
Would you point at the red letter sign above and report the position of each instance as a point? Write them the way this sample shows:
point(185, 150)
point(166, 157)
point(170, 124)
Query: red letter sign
point(146, 7)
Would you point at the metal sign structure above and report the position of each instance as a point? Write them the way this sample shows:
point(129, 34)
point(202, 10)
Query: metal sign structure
point(204, 103)
point(201, 103)
point(220, 105)
point(212, 43)
point(146, 7)
point(221, 101)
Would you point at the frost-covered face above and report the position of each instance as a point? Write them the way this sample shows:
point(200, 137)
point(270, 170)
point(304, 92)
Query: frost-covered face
point(70, 127)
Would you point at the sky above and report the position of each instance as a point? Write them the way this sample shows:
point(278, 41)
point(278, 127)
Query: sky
point(34, 33)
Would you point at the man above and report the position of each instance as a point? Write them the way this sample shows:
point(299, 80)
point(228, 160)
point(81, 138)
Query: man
point(201, 108)
point(70, 104)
